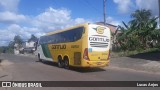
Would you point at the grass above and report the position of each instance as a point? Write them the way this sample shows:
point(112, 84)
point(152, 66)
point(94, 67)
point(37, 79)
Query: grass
point(129, 53)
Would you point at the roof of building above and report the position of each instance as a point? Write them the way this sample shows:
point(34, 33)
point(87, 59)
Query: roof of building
point(102, 23)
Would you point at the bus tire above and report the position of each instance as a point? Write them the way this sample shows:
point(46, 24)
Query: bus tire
point(39, 58)
point(66, 63)
point(60, 62)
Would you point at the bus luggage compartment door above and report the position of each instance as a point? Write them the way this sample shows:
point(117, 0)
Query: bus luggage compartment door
point(77, 58)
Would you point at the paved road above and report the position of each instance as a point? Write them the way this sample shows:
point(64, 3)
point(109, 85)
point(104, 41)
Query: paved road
point(23, 68)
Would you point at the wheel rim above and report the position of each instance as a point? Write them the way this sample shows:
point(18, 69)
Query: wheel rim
point(66, 63)
point(60, 63)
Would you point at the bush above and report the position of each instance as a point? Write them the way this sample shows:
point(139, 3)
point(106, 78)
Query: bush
point(134, 52)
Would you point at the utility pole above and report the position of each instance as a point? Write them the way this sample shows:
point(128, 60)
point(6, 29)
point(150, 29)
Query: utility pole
point(104, 11)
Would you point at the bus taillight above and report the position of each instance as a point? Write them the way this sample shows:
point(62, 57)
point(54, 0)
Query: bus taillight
point(85, 55)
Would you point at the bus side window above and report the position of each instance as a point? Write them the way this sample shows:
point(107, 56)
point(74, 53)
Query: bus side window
point(53, 38)
point(75, 38)
point(63, 36)
point(64, 39)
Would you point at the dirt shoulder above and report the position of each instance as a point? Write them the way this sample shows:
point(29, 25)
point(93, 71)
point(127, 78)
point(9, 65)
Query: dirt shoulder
point(4, 74)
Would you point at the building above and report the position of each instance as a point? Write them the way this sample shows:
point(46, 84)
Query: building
point(29, 46)
point(17, 48)
point(26, 47)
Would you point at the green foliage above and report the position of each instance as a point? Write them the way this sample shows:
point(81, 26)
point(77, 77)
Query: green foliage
point(1, 49)
point(18, 40)
point(140, 33)
point(10, 50)
point(11, 44)
point(33, 38)
point(6, 49)
point(134, 52)
point(10, 47)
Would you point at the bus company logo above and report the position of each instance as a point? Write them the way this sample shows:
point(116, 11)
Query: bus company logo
point(100, 30)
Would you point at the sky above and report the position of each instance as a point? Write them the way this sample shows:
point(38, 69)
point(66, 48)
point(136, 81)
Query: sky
point(27, 17)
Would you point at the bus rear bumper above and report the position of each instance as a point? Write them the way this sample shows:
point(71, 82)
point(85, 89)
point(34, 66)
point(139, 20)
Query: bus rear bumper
point(95, 63)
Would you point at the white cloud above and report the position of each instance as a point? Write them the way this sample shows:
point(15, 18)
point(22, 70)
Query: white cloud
point(49, 20)
point(124, 6)
point(148, 4)
point(9, 5)
point(53, 19)
point(80, 20)
point(7, 34)
point(111, 20)
point(11, 17)
point(8, 12)
point(25, 32)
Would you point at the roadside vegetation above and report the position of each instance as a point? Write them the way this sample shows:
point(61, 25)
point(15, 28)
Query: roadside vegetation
point(139, 35)
point(115, 54)
point(17, 40)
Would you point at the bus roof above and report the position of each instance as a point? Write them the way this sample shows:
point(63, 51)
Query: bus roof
point(57, 31)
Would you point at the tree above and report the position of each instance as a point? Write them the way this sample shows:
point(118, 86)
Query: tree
point(33, 38)
point(11, 44)
point(144, 23)
point(18, 40)
point(128, 39)
point(139, 31)
point(140, 16)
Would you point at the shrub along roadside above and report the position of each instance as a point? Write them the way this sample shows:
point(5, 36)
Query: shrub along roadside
point(129, 53)
point(140, 33)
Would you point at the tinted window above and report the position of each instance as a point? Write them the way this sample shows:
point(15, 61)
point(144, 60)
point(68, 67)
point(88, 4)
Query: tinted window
point(62, 37)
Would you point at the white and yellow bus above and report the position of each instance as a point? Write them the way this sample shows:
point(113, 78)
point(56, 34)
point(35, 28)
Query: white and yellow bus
point(85, 45)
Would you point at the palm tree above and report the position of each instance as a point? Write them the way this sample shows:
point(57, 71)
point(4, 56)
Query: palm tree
point(140, 17)
point(144, 23)
point(139, 31)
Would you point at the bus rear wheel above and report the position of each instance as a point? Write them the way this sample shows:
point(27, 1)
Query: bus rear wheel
point(60, 62)
point(66, 63)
